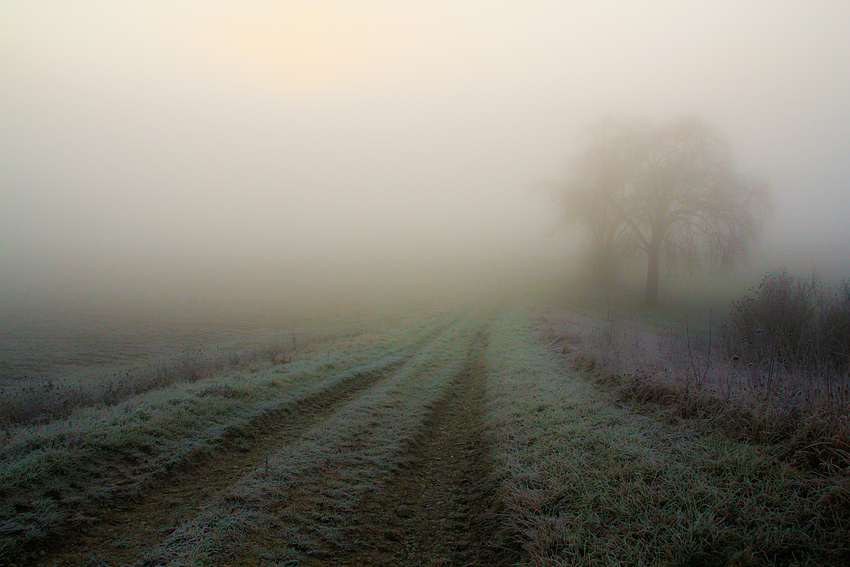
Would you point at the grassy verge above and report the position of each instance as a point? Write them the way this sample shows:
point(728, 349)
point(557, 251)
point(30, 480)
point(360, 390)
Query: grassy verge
point(60, 474)
point(587, 481)
point(40, 401)
point(686, 373)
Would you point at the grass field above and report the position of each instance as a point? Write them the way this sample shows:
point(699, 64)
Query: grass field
point(512, 434)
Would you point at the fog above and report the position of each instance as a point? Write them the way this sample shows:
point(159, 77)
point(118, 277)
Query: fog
point(220, 154)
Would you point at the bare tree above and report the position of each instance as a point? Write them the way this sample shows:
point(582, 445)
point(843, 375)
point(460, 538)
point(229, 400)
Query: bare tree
point(592, 196)
point(669, 191)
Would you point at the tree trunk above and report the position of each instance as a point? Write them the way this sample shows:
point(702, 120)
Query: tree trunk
point(603, 269)
point(653, 261)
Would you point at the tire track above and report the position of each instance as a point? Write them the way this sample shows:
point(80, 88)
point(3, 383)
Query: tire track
point(129, 527)
point(438, 508)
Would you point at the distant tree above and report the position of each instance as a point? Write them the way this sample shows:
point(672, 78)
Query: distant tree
point(600, 178)
point(669, 191)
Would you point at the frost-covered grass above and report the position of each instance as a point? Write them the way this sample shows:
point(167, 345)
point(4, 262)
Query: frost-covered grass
point(300, 499)
point(585, 481)
point(583, 478)
point(58, 474)
point(39, 400)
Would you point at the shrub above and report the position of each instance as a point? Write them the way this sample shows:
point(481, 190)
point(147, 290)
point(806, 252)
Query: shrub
point(797, 323)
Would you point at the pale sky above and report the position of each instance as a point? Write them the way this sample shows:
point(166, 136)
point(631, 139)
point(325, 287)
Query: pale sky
point(337, 131)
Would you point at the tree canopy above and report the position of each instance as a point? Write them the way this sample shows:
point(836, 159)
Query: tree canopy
point(668, 191)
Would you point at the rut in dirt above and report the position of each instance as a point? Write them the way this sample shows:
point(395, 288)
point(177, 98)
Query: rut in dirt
point(127, 528)
point(438, 508)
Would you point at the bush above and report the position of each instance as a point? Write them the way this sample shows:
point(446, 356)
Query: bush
point(798, 323)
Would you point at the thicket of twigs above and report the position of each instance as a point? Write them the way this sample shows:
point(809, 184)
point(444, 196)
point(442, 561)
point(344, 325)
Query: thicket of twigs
point(777, 371)
point(794, 326)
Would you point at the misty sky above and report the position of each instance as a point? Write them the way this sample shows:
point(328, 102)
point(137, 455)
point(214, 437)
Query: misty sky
point(363, 129)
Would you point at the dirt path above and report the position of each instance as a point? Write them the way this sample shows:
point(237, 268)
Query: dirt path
point(437, 508)
point(129, 527)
